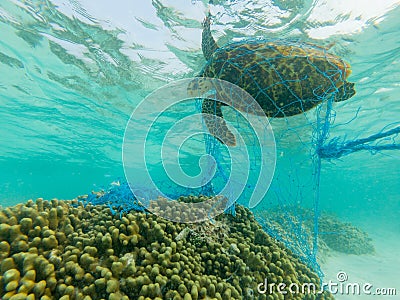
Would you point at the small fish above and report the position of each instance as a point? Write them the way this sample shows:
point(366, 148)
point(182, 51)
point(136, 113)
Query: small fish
point(116, 183)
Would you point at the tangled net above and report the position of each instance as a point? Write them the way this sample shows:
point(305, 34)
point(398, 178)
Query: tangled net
point(296, 78)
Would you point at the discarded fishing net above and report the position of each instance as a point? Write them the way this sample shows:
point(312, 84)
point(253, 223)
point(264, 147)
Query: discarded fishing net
point(118, 197)
point(296, 85)
point(287, 79)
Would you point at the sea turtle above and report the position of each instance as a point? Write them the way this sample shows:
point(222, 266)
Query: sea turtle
point(286, 78)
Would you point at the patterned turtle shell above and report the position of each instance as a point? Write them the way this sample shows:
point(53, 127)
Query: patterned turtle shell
point(285, 78)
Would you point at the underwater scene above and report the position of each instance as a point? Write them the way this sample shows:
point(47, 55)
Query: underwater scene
point(199, 149)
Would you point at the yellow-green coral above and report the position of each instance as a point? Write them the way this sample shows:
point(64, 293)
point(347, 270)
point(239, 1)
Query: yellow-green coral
point(63, 250)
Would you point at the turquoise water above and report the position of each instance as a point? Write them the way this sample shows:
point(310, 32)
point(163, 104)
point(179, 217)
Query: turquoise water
point(71, 74)
point(73, 71)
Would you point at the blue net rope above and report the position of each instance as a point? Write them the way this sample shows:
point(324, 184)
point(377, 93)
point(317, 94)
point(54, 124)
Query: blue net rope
point(299, 94)
point(299, 86)
point(118, 197)
point(338, 147)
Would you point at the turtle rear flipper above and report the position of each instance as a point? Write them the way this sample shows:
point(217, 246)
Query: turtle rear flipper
point(215, 122)
point(345, 92)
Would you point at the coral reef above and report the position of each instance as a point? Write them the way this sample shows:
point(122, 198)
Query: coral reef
point(343, 236)
point(290, 222)
point(65, 250)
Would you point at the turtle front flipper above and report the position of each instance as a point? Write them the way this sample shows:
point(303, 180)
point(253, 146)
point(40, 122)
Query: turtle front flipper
point(215, 122)
point(208, 44)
